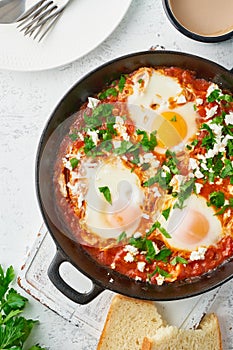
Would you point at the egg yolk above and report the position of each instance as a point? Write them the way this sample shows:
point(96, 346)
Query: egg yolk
point(194, 228)
point(124, 217)
point(172, 131)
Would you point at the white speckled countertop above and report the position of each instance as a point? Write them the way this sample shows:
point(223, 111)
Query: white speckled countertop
point(27, 100)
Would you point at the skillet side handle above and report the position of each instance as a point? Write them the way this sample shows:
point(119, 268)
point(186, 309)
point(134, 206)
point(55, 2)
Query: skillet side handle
point(64, 288)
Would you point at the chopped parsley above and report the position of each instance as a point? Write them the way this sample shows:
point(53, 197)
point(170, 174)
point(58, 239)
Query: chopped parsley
point(179, 260)
point(217, 95)
point(121, 84)
point(173, 119)
point(217, 199)
point(148, 144)
point(121, 237)
point(74, 162)
point(106, 192)
point(166, 213)
point(160, 271)
point(14, 328)
point(88, 144)
point(186, 189)
point(109, 92)
point(157, 225)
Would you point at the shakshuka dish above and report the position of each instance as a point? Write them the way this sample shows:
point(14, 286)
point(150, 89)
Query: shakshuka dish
point(144, 177)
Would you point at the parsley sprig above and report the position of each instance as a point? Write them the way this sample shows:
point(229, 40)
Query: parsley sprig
point(14, 329)
point(107, 194)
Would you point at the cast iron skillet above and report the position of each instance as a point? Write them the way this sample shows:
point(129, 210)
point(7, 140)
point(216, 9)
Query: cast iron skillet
point(70, 251)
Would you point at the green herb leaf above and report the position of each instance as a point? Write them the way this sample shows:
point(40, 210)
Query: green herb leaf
point(217, 199)
point(121, 83)
point(173, 119)
point(163, 254)
point(214, 95)
point(147, 143)
point(14, 330)
point(106, 192)
point(109, 92)
point(122, 237)
point(179, 260)
point(166, 213)
point(160, 272)
point(89, 144)
point(74, 162)
point(186, 189)
point(161, 229)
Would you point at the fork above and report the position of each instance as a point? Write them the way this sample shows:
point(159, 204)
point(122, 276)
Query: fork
point(41, 17)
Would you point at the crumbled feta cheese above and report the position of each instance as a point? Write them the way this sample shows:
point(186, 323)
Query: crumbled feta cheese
point(148, 156)
point(92, 102)
point(204, 166)
point(156, 192)
point(146, 216)
point(113, 265)
point(111, 280)
point(80, 135)
point(211, 88)
point(193, 164)
point(160, 279)
point(166, 168)
point(67, 164)
point(199, 101)
point(198, 254)
point(227, 214)
point(198, 187)
point(138, 278)
point(125, 136)
point(121, 128)
point(94, 135)
point(178, 148)
point(131, 249)
point(230, 189)
point(181, 99)
point(129, 257)
point(217, 129)
point(156, 248)
point(210, 112)
point(137, 235)
point(219, 182)
point(141, 266)
point(155, 163)
point(198, 174)
point(229, 118)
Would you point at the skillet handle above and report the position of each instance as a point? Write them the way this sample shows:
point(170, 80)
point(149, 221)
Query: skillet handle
point(64, 288)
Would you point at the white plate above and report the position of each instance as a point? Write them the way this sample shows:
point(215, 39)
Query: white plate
point(81, 28)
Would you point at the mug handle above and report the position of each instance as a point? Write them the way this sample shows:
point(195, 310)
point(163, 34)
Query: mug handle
point(66, 289)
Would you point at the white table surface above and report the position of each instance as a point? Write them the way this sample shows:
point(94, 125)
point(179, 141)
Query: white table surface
point(27, 100)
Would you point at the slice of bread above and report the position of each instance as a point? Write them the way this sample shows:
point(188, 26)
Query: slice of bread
point(207, 337)
point(127, 323)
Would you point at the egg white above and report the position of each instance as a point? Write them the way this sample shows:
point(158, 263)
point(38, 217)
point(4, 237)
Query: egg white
point(150, 107)
point(109, 220)
point(193, 226)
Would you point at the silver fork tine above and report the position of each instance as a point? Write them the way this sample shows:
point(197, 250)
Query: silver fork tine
point(41, 17)
point(49, 26)
point(34, 14)
point(37, 21)
point(41, 20)
point(30, 10)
